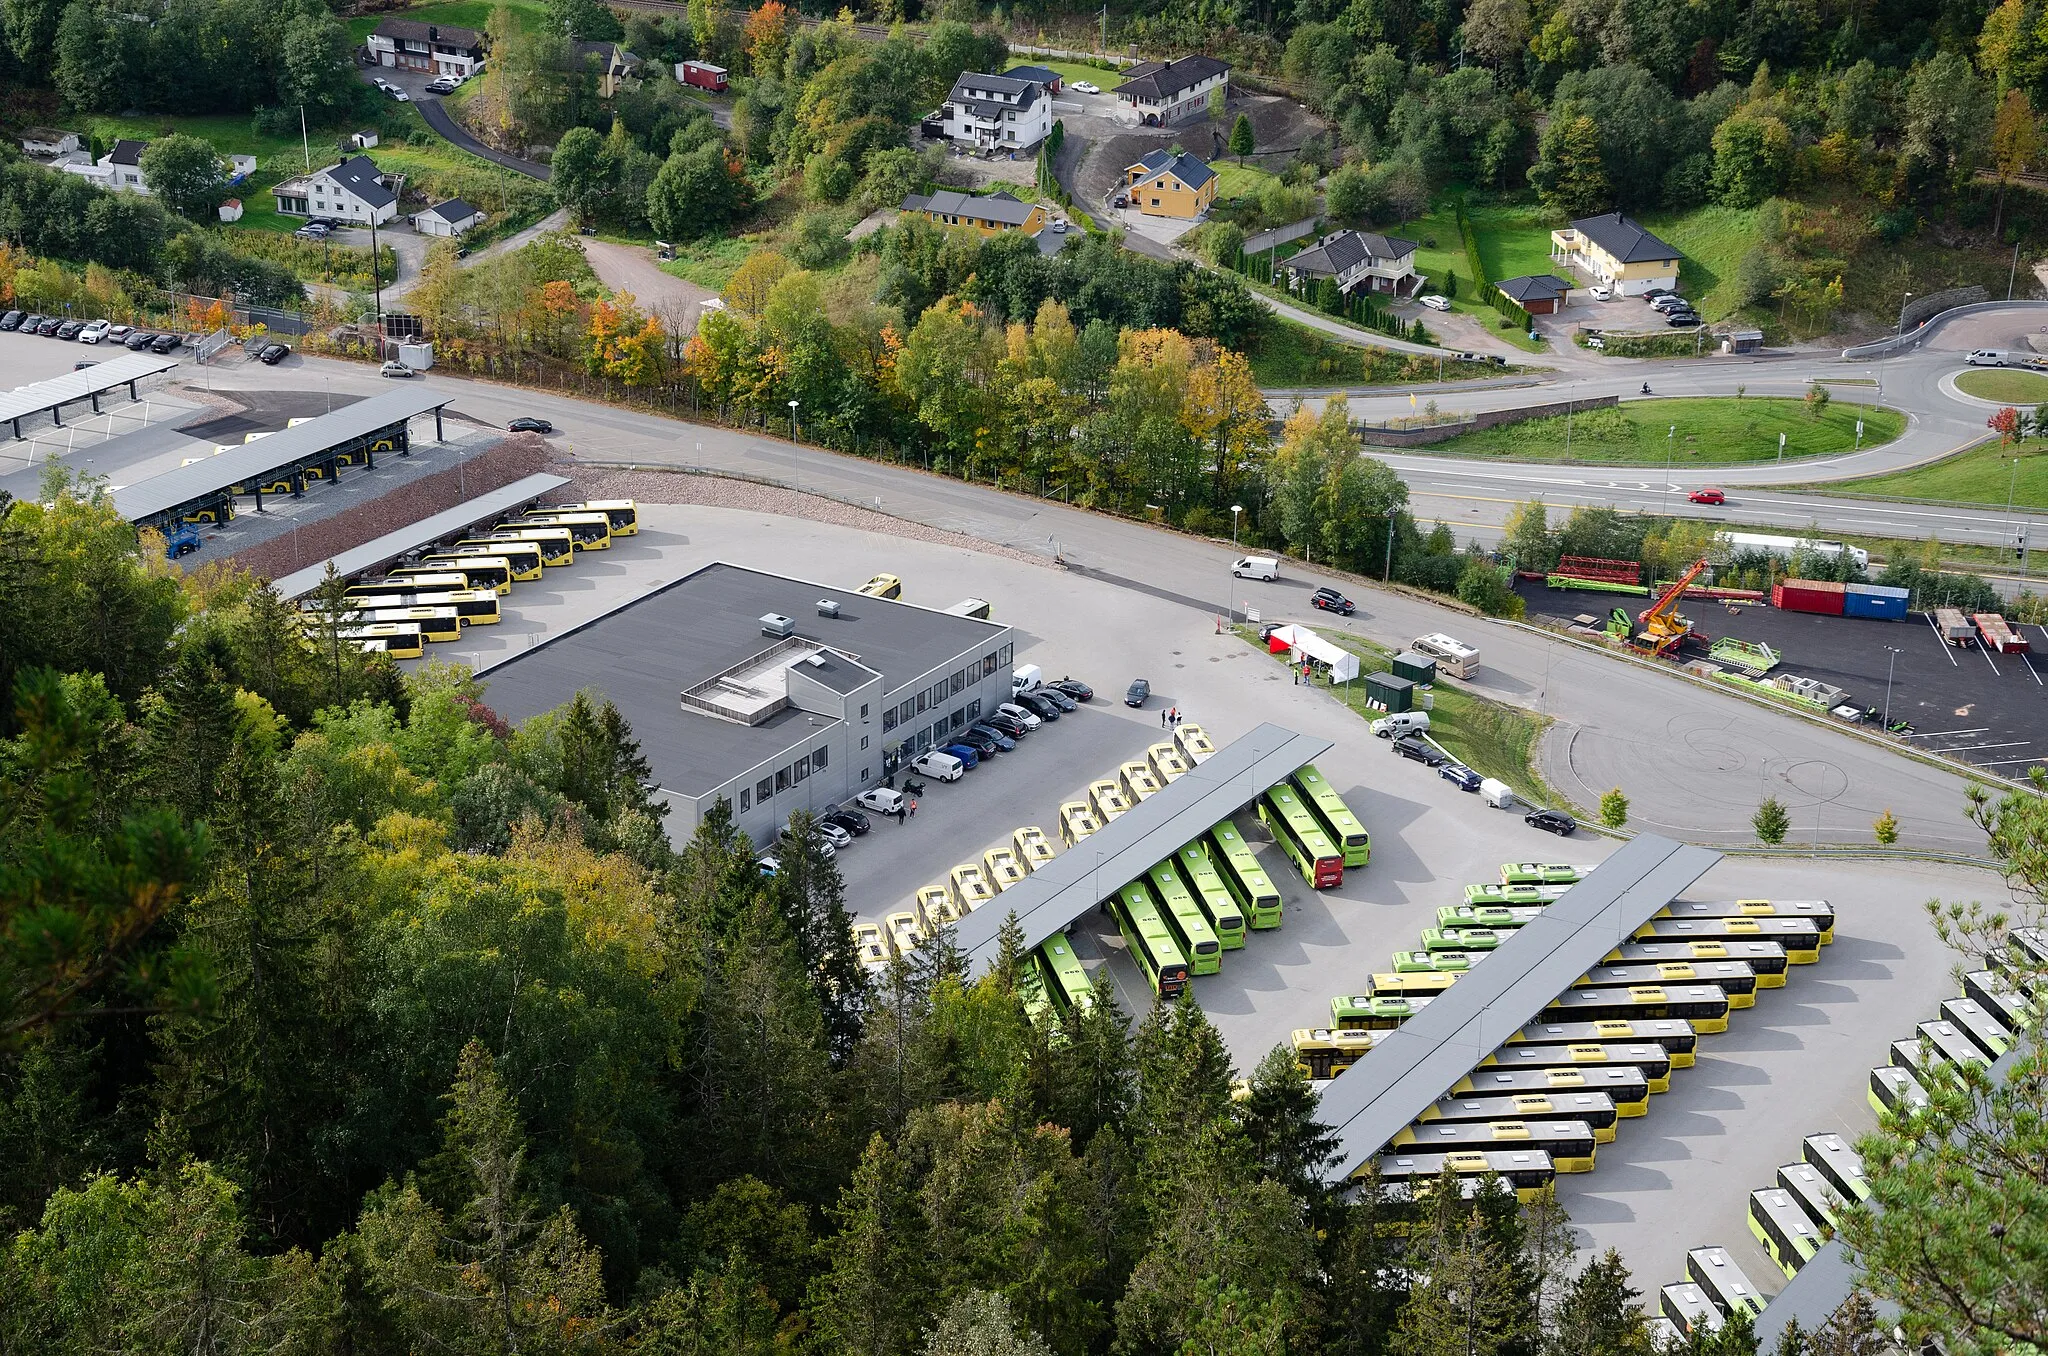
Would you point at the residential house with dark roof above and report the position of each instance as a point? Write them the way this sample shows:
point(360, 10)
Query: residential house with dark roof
point(990, 214)
point(354, 192)
point(610, 61)
point(435, 49)
point(997, 112)
point(450, 218)
point(1616, 252)
point(1160, 93)
point(1537, 293)
point(1165, 184)
point(119, 170)
point(1358, 259)
point(1044, 75)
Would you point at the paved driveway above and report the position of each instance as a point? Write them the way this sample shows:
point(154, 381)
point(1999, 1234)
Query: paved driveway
point(414, 83)
point(630, 268)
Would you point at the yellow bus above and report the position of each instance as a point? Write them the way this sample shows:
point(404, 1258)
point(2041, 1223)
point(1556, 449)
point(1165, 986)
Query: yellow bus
point(1412, 984)
point(1167, 763)
point(590, 531)
point(1138, 782)
point(935, 909)
point(969, 888)
point(443, 582)
point(522, 561)
point(1325, 1052)
point(1077, 821)
point(476, 572)
point(883, 586)
point(1194, 743)
point(400, 640)
point(622, 514)
point(1107, 799)
point(435, 623)
point(1031, 847)
point(872, 947)
point(1002, 868)
point(556, 546)
point(904, 933)
point(978, 608)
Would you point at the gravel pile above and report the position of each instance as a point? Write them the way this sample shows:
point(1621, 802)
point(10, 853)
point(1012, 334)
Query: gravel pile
point(683, 487)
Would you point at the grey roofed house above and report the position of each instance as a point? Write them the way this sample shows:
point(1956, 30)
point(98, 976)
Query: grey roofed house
point(971, 89)
point(1048, 78)
point(1189, 169)
point(1336, 255)
point(359, 175)
point(127, 152)
point(441, 35)
point(1000, 208)
point(455, 211)
point(1623, 239)
point(1158, 81)
point(1534, 287)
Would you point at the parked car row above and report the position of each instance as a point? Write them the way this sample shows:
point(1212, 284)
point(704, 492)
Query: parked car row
point(394, 91)
point(1409, 730)
point(88, 331)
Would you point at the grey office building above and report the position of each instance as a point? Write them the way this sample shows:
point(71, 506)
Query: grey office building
point(773, 716)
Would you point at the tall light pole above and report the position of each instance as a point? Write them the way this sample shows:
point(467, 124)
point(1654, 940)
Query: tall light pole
point(1891, 665)
point(1670, 448)
point(2011, 486)
point(1235, 509)
point(794, 435)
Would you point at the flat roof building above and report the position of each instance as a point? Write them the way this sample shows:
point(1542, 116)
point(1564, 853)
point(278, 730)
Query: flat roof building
point(773, 693)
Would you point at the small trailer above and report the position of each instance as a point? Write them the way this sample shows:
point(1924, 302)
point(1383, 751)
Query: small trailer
point(702, 75)
point(1997, 634)
point(1953, 626)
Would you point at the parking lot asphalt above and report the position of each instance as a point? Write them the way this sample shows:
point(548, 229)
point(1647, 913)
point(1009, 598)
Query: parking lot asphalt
point(1796, 1063)
point(1988, 709)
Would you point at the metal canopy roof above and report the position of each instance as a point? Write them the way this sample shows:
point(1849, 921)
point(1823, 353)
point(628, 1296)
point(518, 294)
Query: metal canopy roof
point(103, 376)
point(1376, 1098)
point(392, 545)
point(242, 465)
point(1131, 844)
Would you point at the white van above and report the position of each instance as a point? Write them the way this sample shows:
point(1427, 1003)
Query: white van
point(1026, 678)
point(1401, 723)
point(1256, 567)
point(1986, 357)
point(944, 766)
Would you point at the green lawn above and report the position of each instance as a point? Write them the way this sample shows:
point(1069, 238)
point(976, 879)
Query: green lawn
point(2014, 388)
point(710, 263)
point(1440, 253)
point(1070, 71)
point(1713, 241)
point(1238, 181)
point(455, 13)
point(1513, 241)
point(1714, 430)
point(1979, 475)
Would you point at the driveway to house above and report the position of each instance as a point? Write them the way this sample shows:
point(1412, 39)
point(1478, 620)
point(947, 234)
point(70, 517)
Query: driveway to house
point(628, 268)
point(414, 83)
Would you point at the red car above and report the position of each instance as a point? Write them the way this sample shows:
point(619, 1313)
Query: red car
point(1707, 494)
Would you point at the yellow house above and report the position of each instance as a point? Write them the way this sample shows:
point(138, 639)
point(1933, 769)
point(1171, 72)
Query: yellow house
point(1165, 184)
point(1617, 253)
point(990, 214)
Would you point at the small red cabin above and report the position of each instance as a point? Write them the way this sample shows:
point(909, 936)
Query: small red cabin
point(701, 74)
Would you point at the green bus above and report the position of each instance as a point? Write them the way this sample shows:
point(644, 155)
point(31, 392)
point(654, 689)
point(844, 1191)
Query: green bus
point(1805, 1185)
point(1206, 885)
point(1486, 892)
point(1783, 1228)
point(1151, 942)
point(1301, 838)
point(1498, 916)
point(1068, 983)
point(1895, 1089)
point(1242, 875)
point(1198, 941)
point(1335, 817)
point(1838, 1163)
point(1715, 1272)
point(1365, 1012)
point(1031, 991)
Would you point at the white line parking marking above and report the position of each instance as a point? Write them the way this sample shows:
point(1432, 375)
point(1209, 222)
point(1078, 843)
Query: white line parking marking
point(1946, 648)
point(1943, 734)
point(2001, 762)
point(2007, 744)
point(1985, 650)
point(2031, 669)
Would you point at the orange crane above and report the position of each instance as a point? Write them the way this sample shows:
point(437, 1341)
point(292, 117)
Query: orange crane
point(1662, 628)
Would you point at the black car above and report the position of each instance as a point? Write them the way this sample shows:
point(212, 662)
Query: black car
point(164, 343)
point(140, 339)
point(1329, 600)
point(1683, 320)
point(273, 354)
point(12, 320)
point(979, 740)
point(853, 821)
point(51, 324)
point(526, 424)
point(69, 329)
point(1551, 821)
point(1038, 704)
point(1073, 687)
point(1652, 293)
point(1139, 692)
point(1059, 698)
point(29, 322)
point(1009, 725)
point(1426, 754)
point(1001, 738)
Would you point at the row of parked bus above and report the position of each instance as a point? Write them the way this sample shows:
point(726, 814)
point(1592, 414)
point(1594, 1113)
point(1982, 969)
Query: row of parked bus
point(1543, 1102)
point(1793, 1218)
point(450, 588)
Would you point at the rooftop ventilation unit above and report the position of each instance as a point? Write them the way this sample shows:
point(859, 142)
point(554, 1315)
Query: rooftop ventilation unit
point(827, 608)
point(775, 624)
point(816, 661)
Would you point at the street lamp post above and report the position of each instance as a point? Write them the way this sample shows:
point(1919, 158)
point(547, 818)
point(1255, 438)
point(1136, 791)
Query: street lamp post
point(794, 435)
point(1890, 667)
point(1235, 509)
point(1670, 448)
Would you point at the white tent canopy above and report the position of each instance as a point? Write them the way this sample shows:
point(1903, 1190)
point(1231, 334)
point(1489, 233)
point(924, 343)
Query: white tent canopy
point(1343, 664)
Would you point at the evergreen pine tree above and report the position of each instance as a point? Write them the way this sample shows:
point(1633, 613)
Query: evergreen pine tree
point(869, 1300)
point(1279, 1120)
point(810, 896)
point(1598, 1314)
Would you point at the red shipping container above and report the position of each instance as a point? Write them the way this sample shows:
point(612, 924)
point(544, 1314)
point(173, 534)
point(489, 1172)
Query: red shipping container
point(1821, 596)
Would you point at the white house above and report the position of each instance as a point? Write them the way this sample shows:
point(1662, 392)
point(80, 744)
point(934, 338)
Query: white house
point(1160, 93)
point(434, 49)
point(1358, 260)
point(119, 170)
point(49, 143)
point(998, 111)
point(449, 218)
point(353, 192)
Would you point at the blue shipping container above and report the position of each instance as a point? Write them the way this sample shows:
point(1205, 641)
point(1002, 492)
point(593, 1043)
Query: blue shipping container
point(1875, 606)
point(1877, 590)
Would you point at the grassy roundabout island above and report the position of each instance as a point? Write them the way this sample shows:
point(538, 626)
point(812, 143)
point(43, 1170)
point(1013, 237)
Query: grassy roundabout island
point(1984, 474)
point(1711, 431)
point(2004, 384)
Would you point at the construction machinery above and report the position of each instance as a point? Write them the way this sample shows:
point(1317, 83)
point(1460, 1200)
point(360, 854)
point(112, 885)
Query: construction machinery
point(1658, 629)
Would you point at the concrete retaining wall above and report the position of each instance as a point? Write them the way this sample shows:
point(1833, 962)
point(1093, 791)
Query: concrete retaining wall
point(1904, 343)
point(520, 454)
point(1376, 435)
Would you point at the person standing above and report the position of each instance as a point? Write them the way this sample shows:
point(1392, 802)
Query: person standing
point(913, 807)
point(900, 812)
